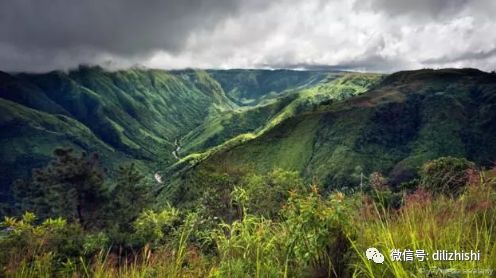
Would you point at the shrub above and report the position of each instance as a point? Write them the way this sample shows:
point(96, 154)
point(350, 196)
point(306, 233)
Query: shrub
point(446, 175)
point(53, 242)
point(266, 194)
point(316, 228)
point(381, 192)
point(308, 240)
point(153, 227)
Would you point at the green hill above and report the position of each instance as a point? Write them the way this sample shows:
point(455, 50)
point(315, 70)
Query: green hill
point(407, 119)
point(329, 126)
point(28, 137)
point(249, 87)
point(260, 117)
point(131, 115)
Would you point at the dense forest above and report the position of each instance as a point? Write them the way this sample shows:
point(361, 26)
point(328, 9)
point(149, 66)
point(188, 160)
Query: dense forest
point(244, 173)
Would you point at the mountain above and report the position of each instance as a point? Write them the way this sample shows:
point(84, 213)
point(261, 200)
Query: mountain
point(337, 85)
point(134, 115)
point(332, 127)
point(248, 87)
point(401, 122)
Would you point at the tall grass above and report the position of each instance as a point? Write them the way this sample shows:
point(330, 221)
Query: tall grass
point(178, 261)
point(430, 223)
point(307, 240)
point(250, 248)
point(149, 264)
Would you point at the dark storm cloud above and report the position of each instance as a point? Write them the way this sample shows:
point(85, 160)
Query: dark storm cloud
point(373, 35)
point(121, 26)
point(93, 28)
point(477, 55)
point(422, 8)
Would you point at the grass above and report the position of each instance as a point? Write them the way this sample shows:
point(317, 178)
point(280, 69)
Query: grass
point(304, 240)
point(430, 224)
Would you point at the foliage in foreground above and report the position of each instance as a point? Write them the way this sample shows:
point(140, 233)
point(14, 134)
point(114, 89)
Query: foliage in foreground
point(431, 222)
point(290, 231)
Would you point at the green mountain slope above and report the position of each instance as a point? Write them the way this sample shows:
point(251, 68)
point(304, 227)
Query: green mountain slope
point(249, 87)
point(134, 114)
point(332, 127)
point(260, 117)
point(28, 136)
point(138, 112)
point(336, 87)
point(410, 117)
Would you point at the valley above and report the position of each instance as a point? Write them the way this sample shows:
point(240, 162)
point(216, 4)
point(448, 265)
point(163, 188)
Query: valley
point(134, 115)
point(328, 126)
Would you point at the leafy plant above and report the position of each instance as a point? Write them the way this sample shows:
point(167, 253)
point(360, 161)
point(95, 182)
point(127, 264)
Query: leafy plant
point(153, 227)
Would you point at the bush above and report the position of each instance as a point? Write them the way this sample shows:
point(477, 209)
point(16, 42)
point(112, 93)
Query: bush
point(309, 240)
point(318, 228)
point(381, 192)
point(153, 227)
point(446, 175)
point(266, 194)
point(53, 242)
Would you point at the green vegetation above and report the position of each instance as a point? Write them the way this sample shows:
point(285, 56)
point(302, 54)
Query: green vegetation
point(404, 121)
point(71, 187)
point(334, 88)
point(432, 222)
point(446, 175)
point(133, 115)
point(248, 87)
point(248, 225)
point(244, 173)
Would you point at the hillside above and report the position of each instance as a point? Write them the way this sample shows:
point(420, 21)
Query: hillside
point(254, 119)
point(407, 119)
point(331, 127)
point(132, 115)
point(249, 87)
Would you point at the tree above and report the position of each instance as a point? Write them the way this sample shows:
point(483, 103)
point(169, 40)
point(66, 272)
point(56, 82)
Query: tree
point(71, 186)
point(130, 196)
point(216, 199)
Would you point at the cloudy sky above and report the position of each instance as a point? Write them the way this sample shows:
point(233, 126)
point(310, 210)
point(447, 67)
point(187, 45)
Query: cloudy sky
point(367, 35)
